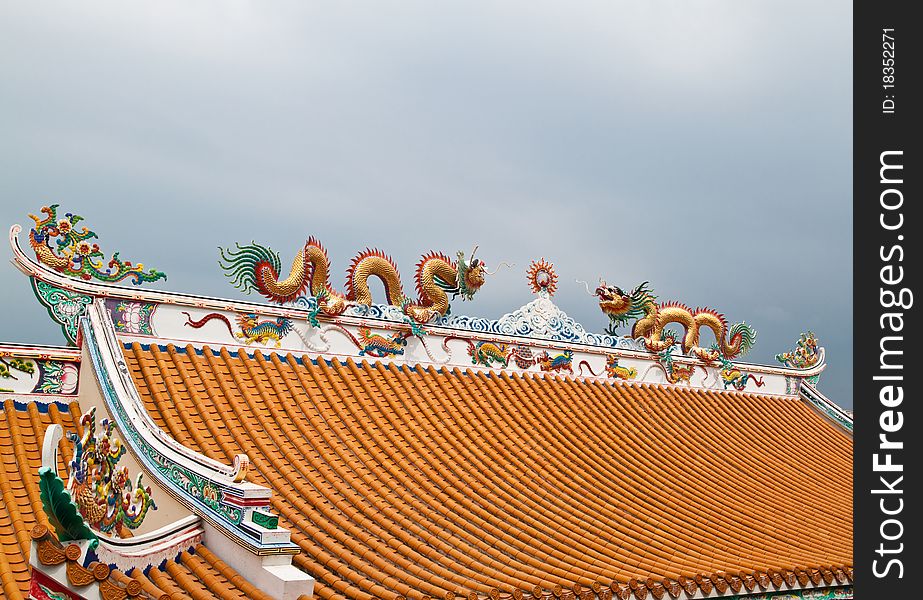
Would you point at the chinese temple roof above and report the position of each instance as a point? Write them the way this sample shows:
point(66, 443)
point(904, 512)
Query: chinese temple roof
point(421, 482)
point(323, 444)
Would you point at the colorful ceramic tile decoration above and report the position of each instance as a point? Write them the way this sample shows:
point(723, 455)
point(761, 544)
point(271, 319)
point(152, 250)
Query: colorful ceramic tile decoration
point(132, 317)
point(37, 376)
point(60, 244)
point(805, 354)
point(65, 307)
point(614, 370)
point(827, 594)
point(379, 346)
point(9, 367)
point(528, 448)
point(556, 363)
point(253, 329)
point(63, 513)
point(102, 490)
point(732, 376)
point(253, 267)
point(488, 354)
point(56, 377)
point(676, 373)
point(542, 277)
point(652, 319)
point(522, 356)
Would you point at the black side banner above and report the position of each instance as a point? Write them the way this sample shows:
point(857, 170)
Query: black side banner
point(886, 227)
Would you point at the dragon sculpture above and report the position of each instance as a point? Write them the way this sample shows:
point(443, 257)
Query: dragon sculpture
point(73, 255)
point(652, 319)
point(379, 346)
point(253, 267)
point(252, 330)
point(102, 491)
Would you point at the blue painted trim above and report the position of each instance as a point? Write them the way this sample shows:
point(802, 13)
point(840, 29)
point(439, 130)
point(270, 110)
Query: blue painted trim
point(43, 407)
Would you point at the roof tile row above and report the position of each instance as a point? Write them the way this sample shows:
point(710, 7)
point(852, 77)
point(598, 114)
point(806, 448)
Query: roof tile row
point(197, 575)
point(401, 482)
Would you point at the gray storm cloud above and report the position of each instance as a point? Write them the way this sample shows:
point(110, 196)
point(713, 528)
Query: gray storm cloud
point(703, 146)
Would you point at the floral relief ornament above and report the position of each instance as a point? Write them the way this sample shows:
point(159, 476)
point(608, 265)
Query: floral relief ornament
point(64, 306)
point(135, 317)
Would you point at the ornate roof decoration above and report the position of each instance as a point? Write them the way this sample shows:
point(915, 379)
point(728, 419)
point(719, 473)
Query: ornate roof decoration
point(65, 307)
point(297, 377)
point(804, 356)
point(541, 318)
point(34, 375)
point(253, 267)
point(542, 277)
point(73, 255)
point(9, 367)
point(63, 514)
point(653, 318)
point(103, 492)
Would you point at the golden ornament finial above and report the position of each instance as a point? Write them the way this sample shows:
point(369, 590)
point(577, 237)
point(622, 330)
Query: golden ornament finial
point(542, 278)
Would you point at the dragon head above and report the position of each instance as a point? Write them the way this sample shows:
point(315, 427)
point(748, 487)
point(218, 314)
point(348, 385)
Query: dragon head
point(612, 300)
point(471, 275)
point(247, 320)
point(621, 306)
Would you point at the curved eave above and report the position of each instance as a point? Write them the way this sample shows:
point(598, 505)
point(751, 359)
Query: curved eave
point(827, 407)
point(156, 450)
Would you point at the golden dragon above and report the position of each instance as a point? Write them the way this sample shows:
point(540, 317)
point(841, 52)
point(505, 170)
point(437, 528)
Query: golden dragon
point(253, 267)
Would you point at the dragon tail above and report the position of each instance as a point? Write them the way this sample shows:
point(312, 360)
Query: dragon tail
point(240, 265)
point(284, 325)
point(742, 337)
point(210, 316)
point(757, 380)
point(254, 267)
point(584, 364)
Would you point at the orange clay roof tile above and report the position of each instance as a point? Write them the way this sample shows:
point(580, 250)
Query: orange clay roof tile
point(400, 482)
point(21, 434)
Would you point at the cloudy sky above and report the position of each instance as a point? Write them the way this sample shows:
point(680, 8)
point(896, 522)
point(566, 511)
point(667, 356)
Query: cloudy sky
point(704, 146)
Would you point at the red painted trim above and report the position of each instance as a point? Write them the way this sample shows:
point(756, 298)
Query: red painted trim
point(41, 579)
